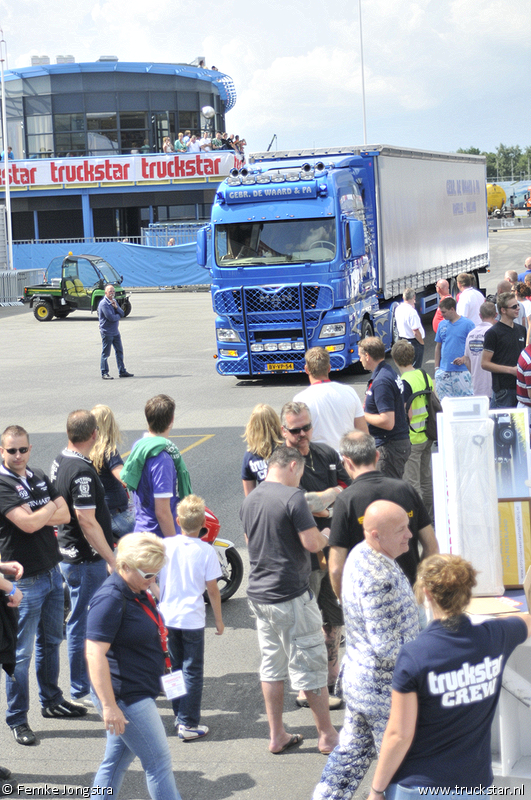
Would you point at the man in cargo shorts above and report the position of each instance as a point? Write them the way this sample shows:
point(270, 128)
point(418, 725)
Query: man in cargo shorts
point(280, 532)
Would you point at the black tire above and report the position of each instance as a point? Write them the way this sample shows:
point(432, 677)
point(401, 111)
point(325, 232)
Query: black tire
point(61, 313)
point(230, 583)
point(43, 311)
point(127, 307)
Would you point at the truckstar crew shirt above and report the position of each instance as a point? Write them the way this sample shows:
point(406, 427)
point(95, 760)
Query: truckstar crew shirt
point(385, 393)
point(273, 515)
point(39, 551)
point(75, 478)
point(457, 676)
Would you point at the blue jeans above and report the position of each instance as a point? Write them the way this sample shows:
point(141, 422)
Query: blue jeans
point(83, 580)
point(123, 523)
point(40, 625)
point(187, 650)
point(108, 342)
point(145, 737)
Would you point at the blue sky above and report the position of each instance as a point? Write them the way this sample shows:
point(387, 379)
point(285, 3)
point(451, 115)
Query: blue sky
point(439, 74)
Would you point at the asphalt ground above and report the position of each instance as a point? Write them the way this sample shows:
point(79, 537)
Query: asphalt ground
point(49, 369)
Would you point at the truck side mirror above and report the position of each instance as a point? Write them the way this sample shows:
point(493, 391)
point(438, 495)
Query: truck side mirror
point(201, 246)
point(357, 238)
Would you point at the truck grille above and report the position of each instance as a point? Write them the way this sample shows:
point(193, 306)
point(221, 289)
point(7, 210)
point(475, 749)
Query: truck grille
point(273, 307)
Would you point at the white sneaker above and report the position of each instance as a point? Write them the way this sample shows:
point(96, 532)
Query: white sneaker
point(190, 733)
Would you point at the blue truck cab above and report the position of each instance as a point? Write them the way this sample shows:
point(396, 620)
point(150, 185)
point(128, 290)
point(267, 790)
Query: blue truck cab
point(295, 252)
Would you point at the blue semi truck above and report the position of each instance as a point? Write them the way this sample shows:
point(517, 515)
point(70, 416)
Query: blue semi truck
point(315, 247)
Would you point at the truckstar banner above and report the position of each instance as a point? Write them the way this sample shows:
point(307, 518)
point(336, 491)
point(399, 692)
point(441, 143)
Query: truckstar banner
point(109, 170)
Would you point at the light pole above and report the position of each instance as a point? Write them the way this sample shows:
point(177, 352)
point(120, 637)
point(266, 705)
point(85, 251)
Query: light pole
point(362, 79)
point(7, 182)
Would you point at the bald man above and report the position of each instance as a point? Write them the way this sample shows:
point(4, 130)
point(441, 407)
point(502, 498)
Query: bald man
point(443, 290)
point(381, 615)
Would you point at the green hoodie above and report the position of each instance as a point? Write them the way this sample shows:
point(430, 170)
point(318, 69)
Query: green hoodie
point(148, 447)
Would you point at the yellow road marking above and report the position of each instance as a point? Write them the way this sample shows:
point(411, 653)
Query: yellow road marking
point(203, 439)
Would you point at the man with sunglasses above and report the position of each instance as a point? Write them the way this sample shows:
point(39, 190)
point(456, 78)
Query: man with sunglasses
point(323, 479)
point(502, 346)
point(85, 540)
point(29, 508)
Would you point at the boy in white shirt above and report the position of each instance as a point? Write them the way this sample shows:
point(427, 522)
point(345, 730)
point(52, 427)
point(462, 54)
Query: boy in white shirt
point(192, 567)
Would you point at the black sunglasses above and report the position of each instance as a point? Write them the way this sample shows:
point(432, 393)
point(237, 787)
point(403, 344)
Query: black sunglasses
point(304, 428)
point(13, 450)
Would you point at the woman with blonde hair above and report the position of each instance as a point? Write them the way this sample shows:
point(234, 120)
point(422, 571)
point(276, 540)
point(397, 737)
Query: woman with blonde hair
point(446, 685)
point(262, 434)
point(126, 659)
point(109, 464)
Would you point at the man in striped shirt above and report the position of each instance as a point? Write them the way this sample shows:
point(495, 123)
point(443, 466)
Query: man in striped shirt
point(523, 378)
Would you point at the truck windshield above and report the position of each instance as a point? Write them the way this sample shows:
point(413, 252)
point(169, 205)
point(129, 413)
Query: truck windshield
point(293, 241)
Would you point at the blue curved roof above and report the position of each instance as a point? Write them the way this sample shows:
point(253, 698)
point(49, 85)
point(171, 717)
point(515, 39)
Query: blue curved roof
point(224, 83)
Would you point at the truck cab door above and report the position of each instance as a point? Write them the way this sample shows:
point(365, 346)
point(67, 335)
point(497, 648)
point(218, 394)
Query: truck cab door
point(78, 279)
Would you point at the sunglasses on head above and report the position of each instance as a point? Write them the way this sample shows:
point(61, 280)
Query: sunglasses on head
point(304, 428)
point(147, 575)
point(13, 450)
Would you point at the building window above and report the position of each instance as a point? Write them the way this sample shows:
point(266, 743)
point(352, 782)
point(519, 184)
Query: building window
point(189, 121)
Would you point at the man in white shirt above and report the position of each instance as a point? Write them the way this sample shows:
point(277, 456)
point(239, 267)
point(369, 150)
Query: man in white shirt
point(334, 407)
point(409, 325)
point(470, 299)
point(481, 379)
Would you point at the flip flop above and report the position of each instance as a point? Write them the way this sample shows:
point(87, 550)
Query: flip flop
point(296, 738)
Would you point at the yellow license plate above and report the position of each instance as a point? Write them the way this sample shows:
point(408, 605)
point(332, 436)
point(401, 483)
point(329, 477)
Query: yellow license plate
point(280, 366)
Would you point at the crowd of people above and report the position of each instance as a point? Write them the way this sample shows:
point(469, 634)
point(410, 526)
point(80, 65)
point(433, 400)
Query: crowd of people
point(190, 143)
point(337, 514)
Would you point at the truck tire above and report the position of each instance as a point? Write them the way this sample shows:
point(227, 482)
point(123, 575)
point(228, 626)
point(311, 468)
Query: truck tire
point(62, 313)
point(366, 330)
point(127, 307)
point(43, 311)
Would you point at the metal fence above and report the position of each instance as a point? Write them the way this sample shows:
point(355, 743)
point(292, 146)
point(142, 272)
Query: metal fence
point(160, 234)
point(12, 284)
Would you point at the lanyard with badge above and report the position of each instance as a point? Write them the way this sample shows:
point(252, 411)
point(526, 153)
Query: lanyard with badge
point(172, 682)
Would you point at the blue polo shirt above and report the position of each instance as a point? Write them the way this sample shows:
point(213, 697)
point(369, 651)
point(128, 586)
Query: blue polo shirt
point(385, 393)
point(135, 656)
point(452, 336)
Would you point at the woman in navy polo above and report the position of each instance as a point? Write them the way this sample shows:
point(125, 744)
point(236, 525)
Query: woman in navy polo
point(126, 659)
point(446, 686)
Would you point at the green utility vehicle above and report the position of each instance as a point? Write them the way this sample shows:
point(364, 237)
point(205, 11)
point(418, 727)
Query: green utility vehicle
point(72, 283)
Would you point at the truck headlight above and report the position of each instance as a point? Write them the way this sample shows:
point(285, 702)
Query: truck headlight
point(333, 329)
point(227, 335)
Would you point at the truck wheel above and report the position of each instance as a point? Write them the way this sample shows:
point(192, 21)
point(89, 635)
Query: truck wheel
point(61, 313)
point(43, 311)
point(127, 307)
point(366, 330)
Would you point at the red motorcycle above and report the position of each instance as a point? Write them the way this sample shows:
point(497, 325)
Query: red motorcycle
point(230, 560)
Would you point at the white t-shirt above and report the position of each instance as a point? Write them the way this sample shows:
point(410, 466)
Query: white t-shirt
point(191, 563)
point(333, 408)
point(408, 321)
point(469, 303)
point(481, 379)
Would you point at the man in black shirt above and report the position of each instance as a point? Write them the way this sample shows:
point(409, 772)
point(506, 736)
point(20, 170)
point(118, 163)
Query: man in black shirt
point(29, 508)
point(360, 457)
point(502, 346)
point(86, 541)
point(323, 473)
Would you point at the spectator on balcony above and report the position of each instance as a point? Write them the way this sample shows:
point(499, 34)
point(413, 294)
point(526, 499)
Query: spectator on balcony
point(239, 145)
point(171, 242)
point(186, 137)
point(167, 146)
point(205, 143)
point(193, 145)
point(217, 142)
point(180, 144)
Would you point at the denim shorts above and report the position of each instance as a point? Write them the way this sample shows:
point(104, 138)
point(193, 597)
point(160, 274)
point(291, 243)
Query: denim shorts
point(292, 642)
